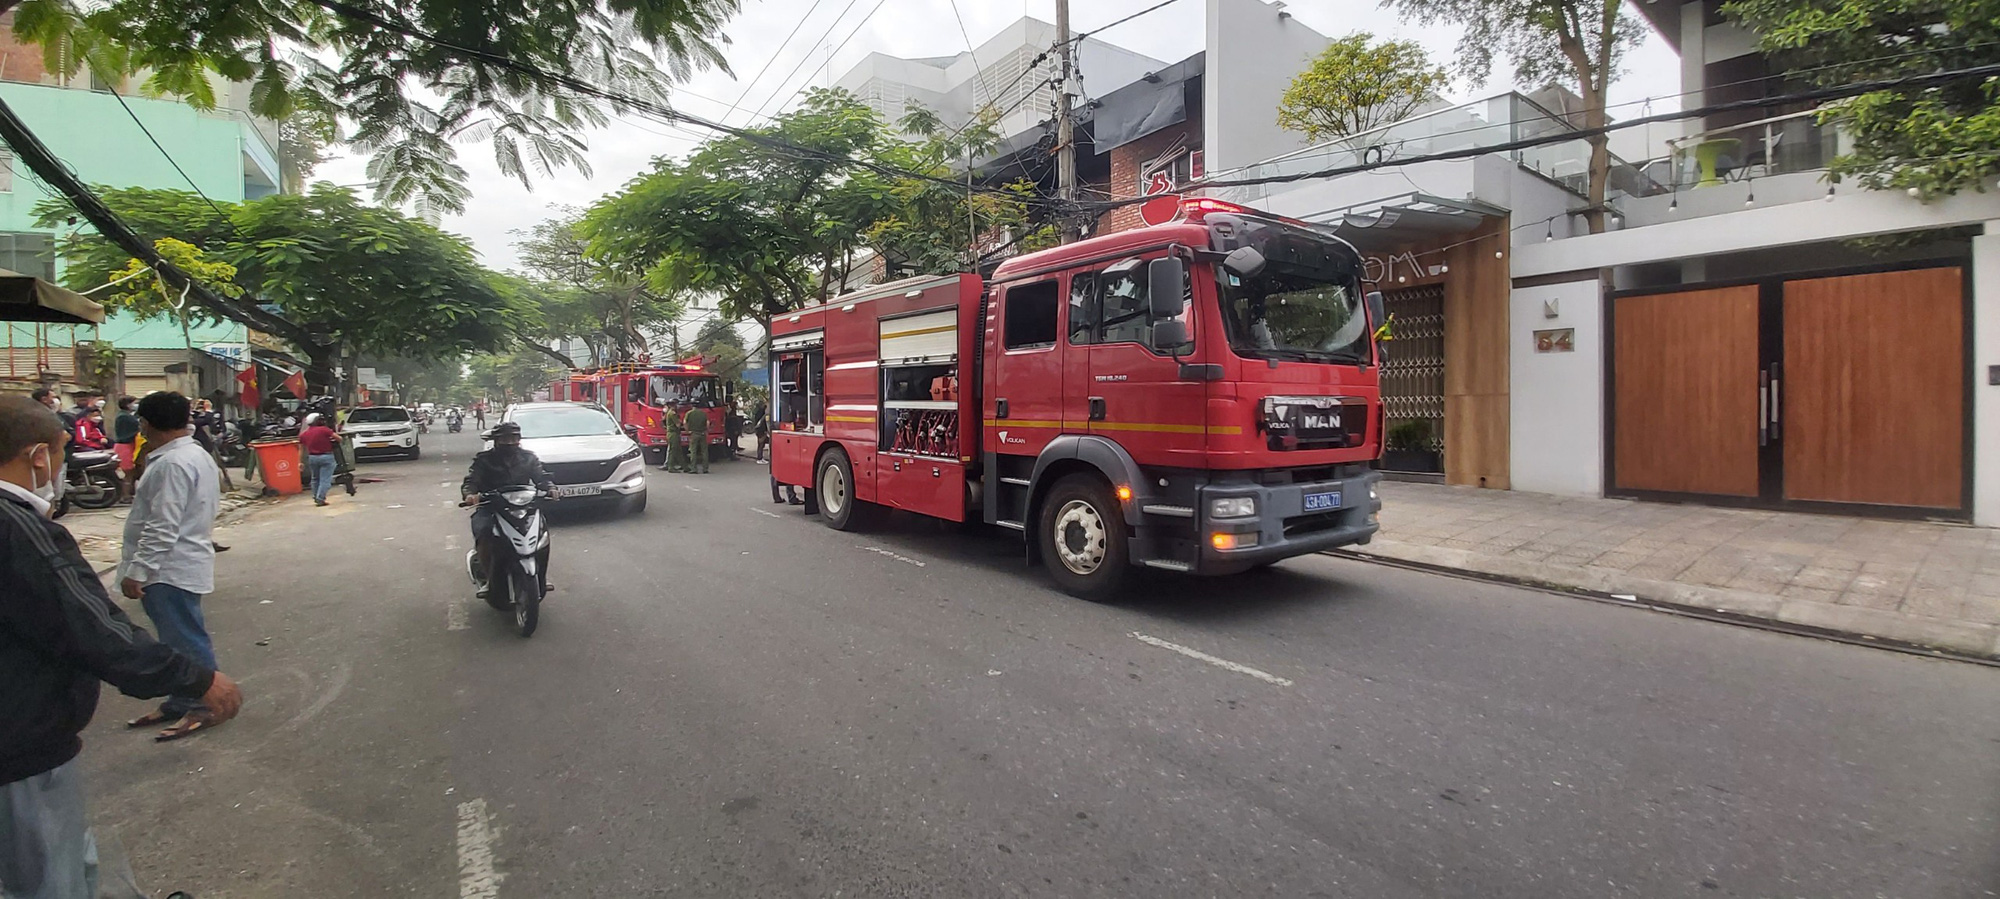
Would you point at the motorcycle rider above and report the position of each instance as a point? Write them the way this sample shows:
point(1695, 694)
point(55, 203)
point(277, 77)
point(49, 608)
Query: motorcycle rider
point(504, 465)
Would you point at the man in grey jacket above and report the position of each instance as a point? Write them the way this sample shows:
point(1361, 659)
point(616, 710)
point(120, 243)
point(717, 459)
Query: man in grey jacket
point(60, 635)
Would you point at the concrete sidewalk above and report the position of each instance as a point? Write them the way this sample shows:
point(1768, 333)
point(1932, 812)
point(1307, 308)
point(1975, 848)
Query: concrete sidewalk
point(101, 534)
point(1930, 584)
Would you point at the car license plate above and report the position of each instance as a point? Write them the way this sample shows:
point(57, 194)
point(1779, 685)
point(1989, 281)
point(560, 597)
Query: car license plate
point(579, 490)
point(373, 444)
point(1323, 502)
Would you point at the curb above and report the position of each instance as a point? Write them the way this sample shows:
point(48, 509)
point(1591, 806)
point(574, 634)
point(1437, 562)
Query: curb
point(1930, 637)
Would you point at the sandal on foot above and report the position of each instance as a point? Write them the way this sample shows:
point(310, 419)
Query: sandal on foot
point(195, 721)
point(151, 719)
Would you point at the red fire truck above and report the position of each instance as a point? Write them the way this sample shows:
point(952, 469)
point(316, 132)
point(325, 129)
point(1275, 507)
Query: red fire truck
point(638, 395)
point(1198, 396)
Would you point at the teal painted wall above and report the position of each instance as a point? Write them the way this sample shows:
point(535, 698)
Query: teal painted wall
point(128, 333)
point(100, 142)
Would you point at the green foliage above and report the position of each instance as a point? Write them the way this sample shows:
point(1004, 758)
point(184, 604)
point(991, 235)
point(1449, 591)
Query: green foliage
point(370, 279)
point(1579, 44)
point(422, 380)
point(511, 376)
point(99, 363)
point(147, 295)
point(932, 228)
point(764, 229)
point(586, 298)
point(1936, 140)
point(1359, 84)
point(401, 99)
point(768, 230)
point(1414, 434)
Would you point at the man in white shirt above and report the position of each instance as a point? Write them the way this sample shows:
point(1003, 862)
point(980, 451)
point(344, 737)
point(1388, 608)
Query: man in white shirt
point(168, 561)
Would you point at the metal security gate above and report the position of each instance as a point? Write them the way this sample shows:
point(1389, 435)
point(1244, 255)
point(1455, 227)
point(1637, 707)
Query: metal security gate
point(1413, 380)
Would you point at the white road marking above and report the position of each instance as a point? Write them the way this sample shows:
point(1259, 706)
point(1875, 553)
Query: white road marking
point(1224, 664)
point(897, 557)
point(692, 487)
point(455, 616)
point(476, 877)
point(451, 542)
point(767, 514)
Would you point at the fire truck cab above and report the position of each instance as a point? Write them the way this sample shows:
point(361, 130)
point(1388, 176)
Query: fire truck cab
point(639, 395)
point(1200, 396)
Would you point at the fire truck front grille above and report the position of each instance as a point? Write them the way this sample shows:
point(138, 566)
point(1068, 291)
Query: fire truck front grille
point(581, 472)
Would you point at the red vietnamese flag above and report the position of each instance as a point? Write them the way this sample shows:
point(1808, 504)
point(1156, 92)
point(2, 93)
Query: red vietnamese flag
point(297, 385)
point(247, 389)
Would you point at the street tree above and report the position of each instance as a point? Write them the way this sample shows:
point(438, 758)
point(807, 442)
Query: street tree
point(588, 298)
point(356, 277)
point(1359, 84)
point(512, 375)
point(1935, 140)
point(491, 74)
point(763, 228)
point(1578, 44)
point(932, 227)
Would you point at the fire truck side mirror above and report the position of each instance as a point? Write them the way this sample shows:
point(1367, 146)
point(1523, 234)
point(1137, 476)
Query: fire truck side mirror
point(1170, 336)
point(1377, 310)
point(1166, 287)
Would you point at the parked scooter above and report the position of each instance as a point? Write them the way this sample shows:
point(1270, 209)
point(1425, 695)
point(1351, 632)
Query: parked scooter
point(92, 482)
point(517, 557)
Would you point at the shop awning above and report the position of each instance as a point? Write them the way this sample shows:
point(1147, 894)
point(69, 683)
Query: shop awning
point(1405, 219)
point(26, 298)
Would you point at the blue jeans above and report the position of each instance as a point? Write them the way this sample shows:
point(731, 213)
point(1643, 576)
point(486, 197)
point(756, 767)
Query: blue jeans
point(176, 615)
point(321, 469)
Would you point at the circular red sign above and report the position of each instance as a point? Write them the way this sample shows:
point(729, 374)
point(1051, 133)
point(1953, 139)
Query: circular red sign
point(1161, 209)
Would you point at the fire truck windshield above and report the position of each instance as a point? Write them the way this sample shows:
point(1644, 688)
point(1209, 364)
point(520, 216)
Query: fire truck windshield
point(685, 391)
point(1292, 314)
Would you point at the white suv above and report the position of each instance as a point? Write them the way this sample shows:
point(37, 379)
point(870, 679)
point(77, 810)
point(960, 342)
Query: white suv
point(584, 450)
point(383, 431)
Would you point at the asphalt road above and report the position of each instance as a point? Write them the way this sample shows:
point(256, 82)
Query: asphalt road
point(728, 699)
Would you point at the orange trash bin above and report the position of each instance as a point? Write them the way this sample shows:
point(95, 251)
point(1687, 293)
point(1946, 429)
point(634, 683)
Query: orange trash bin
point(278, 462)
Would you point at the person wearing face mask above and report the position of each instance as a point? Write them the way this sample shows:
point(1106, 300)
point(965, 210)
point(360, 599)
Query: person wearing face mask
point(60, 635)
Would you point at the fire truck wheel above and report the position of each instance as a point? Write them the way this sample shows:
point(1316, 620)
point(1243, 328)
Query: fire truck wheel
point(837, 505)
point(1083, 536)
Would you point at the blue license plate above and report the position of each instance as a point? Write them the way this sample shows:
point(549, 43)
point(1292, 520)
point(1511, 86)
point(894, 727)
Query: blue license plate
point(1323, 502)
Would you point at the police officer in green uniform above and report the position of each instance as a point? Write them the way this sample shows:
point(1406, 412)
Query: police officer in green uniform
point(676, 453)
point(697, 434)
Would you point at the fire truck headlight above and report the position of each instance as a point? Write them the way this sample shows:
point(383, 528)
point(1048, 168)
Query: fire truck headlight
point(1233, 507)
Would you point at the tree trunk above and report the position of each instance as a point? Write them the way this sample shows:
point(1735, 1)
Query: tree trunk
point(325, 362)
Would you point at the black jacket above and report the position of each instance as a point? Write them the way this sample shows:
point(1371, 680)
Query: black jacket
point(60, 634)
point(504, 466)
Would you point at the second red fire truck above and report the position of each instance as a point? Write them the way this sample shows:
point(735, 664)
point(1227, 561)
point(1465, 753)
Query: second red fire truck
point(1198, 396)
point(640, 394)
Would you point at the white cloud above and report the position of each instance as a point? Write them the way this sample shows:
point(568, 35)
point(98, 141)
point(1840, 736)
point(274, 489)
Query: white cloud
point(501, 205)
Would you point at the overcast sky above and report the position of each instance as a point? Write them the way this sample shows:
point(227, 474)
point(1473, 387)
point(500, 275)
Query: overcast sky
point(909, 28)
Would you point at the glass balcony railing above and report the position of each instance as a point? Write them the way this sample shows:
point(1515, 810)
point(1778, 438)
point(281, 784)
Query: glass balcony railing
point(1779, 145)
point(1494, 121)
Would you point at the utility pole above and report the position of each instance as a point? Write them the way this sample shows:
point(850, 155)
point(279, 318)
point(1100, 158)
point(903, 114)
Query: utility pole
point(1065, 125)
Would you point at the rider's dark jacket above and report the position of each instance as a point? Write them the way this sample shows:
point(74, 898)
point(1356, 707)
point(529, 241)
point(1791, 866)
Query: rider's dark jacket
point(504, 466)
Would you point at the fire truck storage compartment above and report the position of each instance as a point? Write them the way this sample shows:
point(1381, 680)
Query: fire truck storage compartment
point(798, 404)
point(920, 433)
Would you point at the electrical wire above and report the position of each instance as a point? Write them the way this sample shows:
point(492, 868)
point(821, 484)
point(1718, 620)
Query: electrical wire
point(163, 150)
point(774, 57)
point(808, 58)
point(977, 72)
point(1831, 93)
point(1116, 22)
point(635, 103)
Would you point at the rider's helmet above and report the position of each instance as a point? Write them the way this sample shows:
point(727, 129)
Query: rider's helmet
point(507, 432)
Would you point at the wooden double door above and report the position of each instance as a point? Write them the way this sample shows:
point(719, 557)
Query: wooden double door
point(1836, 392)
